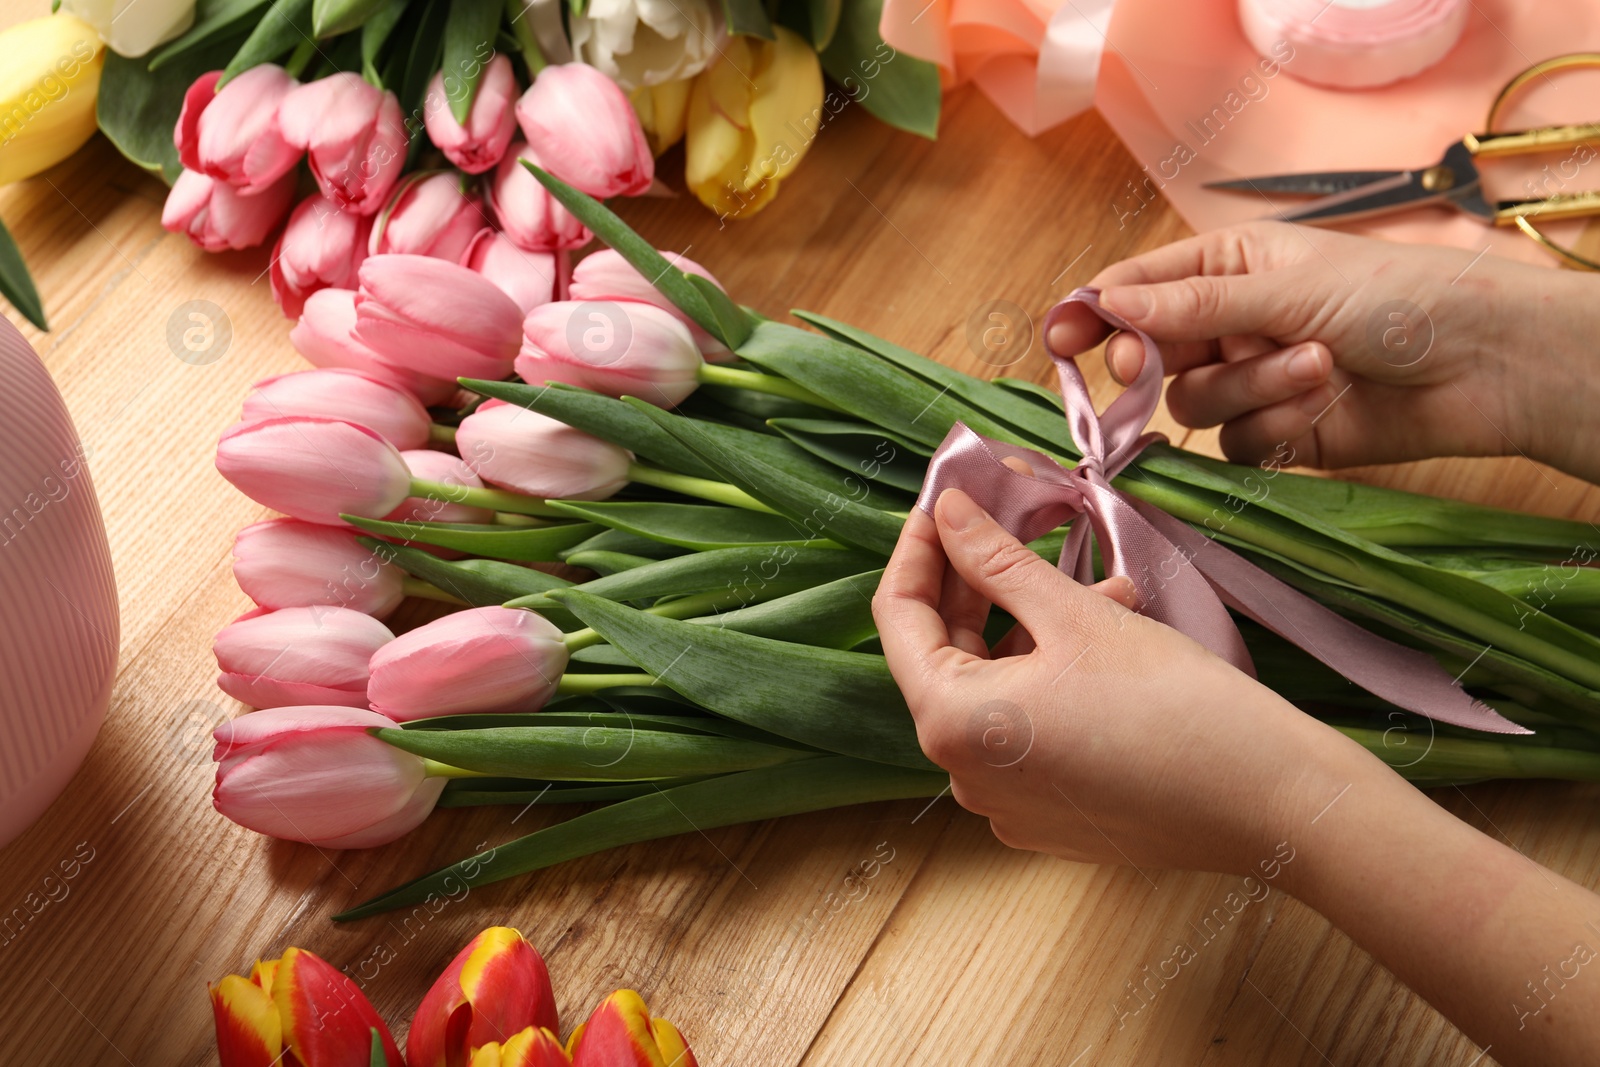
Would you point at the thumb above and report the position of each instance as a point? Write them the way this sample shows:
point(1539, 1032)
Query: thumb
point(1008, 573)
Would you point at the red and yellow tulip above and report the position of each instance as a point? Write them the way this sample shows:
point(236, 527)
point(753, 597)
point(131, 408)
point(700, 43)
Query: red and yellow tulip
point(297, 1011)
point(533, 1047)
point(497, 985)
point(621, 1033)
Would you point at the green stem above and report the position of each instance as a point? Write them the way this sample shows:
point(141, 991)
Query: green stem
point(756, 382)
point(527, 43)
point(493, 499)
point(1465, 760)
point(577, 684)
point(435, 769)
point(506, 518)
point(439, 434)
point(688, 607)
point(300, 57)
point(704, 488)
point(424, 591)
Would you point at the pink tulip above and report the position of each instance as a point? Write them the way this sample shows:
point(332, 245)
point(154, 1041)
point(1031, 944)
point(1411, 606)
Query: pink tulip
point(581, 124)
point(446, 469)
point(619, 348)
point(529, 278)
point(345, 395)
point(429, 215)
point(217, 217)
point(286, 563)
point(478, 660)
point(322, 247)
point(436, 318)
point(529, 215)
point(534, 454)
point(233, 135)
point(353, 135)
point(315, 774)
point(314, 469)
point(481, 143)
point(323, 337)
point(303, 655)
point(605, 275)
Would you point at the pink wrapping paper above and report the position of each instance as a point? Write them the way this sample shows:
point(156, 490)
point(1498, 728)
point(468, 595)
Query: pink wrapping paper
point(1168, 65)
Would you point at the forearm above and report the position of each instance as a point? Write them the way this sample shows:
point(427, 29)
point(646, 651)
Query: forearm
point(1554, 375)
point(1507, 950)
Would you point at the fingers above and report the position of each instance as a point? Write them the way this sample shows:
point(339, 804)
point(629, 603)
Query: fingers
point(1284, 432)
point(906, 605)
point(1232, 250)
point(1005, 571)
point(1202, 308)
point(1222, 392)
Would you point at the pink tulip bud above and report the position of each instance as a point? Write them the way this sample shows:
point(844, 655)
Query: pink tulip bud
point(605, 275)
point(531, 453)
point(429, 215)
point(322, 247)
point(478, 660)
point(345, 395)
point(581, 124)
point(449, 470)
point(482, 142)
point(529, 215)
point(615, 347)
point(353, 135)
point(314, 469)
point(529, 278)
point(303, 655)
point(324, 337)
point(436, 318)
point(233, 135)
point(217, 217)
point(286, 563)
point(315, 774)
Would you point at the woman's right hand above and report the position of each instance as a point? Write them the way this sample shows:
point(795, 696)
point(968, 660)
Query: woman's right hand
point(1350, 350)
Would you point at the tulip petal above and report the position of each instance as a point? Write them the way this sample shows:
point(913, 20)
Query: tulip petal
point(248, 1031)
point(327, 1020)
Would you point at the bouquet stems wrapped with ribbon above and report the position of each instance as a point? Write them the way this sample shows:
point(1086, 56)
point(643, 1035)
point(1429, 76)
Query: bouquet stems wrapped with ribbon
point(723, 665)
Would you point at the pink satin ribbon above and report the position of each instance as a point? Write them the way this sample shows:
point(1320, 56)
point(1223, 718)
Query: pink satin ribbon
point(1184, 578)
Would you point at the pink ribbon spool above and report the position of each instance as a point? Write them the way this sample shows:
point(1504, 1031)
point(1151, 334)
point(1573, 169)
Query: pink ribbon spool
point(1354, 44)
point(58, 601)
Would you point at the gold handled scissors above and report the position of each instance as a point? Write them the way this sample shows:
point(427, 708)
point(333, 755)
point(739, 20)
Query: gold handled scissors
point(1454, 181)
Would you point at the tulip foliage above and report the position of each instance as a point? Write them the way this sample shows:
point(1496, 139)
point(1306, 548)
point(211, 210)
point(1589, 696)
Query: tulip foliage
point(732, 487)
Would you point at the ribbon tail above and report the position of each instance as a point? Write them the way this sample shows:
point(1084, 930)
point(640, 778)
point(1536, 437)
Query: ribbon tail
point(1406, 677)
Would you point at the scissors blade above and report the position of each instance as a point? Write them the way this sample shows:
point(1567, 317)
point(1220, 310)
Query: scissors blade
point(1453, 180)
point(1316, 183)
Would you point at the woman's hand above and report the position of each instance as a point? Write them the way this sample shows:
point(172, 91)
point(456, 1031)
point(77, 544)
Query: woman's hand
point(1351, 350)
point(1105, 736)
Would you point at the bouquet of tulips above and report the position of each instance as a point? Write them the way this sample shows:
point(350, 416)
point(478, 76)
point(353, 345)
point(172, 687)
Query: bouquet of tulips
point(735, 485)
point(494, 1006)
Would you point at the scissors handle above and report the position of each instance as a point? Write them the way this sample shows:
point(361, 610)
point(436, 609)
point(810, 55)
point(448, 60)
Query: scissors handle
point(1539, 139)
point(1560, 206)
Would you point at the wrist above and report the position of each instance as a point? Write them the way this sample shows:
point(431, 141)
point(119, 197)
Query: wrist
point(1549, 373)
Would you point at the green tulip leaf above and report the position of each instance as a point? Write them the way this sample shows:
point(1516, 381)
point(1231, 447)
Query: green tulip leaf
point(377, 1057)
point(137, 108)
point(375, 33)
point(837, 614)
point(212, 22)
point(526, 792)
point(286, 24)
point(604, 417)
point(469, 45)
point(897, 88)
point(734, 324)
point(749, 796)
point(16, 284)
point(696, 526)
point(844, 702)
point(607, 562)
point(479, 582)
point(621, 541)
point(874, 454)
point(534, 544)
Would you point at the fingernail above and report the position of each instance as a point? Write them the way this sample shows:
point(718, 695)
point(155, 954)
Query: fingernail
point(958, 511)
point(1130, 303)
point(1305, 364)
point(1059, 337)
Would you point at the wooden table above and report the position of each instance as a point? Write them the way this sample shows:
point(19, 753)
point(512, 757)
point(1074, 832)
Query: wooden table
point(960, 950)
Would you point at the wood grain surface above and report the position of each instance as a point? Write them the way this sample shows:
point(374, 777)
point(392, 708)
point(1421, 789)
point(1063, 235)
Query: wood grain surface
point(955, 950)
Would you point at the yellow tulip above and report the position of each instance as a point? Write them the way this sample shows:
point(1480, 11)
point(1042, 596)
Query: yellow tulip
point(662, 110)
point(752, 116)
point(48, 86)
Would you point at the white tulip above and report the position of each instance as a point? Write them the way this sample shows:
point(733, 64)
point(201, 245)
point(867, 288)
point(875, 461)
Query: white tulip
point(640, 43)
point(133, 27)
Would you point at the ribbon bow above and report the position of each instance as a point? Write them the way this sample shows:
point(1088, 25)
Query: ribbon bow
point(1184, 578)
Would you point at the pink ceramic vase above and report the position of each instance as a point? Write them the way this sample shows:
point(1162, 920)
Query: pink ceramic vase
point(58, 602)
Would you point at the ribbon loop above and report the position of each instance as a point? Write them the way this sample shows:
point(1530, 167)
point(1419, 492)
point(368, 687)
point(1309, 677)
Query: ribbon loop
point(1184, 578)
